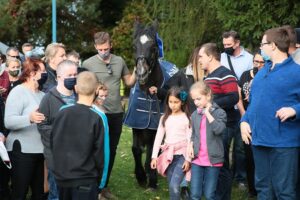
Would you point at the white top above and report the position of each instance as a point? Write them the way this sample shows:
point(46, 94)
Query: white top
point(20, 102)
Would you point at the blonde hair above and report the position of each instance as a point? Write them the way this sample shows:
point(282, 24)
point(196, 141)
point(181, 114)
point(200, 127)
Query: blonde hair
point(87, 83)
point(10, 60)
point(52, 49)
point(103, 87)
point(203, 88)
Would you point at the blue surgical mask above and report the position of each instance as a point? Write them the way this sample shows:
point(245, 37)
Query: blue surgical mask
point(265, 56)
point(69, 83)
point(28, 54)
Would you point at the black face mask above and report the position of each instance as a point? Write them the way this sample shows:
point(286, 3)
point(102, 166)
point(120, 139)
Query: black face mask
point(69, 83)
point(229, 50)
point(255, 70)
point(43, 79)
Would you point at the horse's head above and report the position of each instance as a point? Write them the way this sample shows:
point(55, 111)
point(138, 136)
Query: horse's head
point(146, 51)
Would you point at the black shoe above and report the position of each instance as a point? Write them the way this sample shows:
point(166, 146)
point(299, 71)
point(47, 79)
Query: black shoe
point(185, 193)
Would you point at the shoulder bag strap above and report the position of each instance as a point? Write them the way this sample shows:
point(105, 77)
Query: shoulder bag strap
point(231, 67)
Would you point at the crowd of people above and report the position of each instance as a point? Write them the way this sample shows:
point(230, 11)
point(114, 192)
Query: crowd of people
point(61, 122)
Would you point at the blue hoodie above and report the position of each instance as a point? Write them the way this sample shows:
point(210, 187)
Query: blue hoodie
point(270, 91)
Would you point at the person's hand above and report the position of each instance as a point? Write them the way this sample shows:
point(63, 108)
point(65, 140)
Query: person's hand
point(153, 90)
point(36, 117)
point(191, 150)
point(2, 138)
point(284, 113)
point(246, 132)
point(153, 163)
point(206, 110)
point(186, 166)
point(2, 90)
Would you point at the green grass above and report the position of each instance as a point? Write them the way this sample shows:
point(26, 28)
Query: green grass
point(123, 183)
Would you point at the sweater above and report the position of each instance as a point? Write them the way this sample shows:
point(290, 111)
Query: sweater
point(21, 102)
point(177, 129)
point(49, 106)
point(270, 91)
point(77, 144)
point(225, 92)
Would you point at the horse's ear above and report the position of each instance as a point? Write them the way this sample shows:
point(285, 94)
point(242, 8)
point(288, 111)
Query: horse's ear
point(155, 25)
point(136, 27)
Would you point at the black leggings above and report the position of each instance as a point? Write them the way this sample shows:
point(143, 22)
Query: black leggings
point(27, 171)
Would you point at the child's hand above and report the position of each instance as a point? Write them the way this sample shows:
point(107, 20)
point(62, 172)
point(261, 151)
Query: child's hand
point(191, 150)
point(153, 163)
point(186, 166)
point(208, 106)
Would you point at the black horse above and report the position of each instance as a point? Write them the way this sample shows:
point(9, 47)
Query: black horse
point(144, 109)
point(148, 69)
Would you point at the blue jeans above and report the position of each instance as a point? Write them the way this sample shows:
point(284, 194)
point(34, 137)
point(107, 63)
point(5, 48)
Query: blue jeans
point(204, 181)
point(276, 172)
point(175, 175)
point(53, 190)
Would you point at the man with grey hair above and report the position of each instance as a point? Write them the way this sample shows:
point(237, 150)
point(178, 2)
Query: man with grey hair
point(54, 54)
point(58, 96)
point(110, 69)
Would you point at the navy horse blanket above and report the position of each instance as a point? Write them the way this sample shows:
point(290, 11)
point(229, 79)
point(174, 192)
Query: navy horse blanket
point(144, 110)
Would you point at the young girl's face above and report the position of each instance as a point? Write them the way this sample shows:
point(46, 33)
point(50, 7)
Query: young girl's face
point(102, 95)
point(199, 99)
point(175, 104)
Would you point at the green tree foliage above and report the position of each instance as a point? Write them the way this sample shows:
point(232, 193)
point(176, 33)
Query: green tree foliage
point(122, 36)
point(183, 24)
point(252, 18)
point(77, 21)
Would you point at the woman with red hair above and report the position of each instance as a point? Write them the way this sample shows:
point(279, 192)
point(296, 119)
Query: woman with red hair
point(24, 141)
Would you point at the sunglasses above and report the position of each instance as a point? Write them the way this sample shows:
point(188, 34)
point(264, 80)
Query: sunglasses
point(17, 57)
point(109, 70)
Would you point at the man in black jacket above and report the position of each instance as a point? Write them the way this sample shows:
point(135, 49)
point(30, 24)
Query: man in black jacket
point(58, 96)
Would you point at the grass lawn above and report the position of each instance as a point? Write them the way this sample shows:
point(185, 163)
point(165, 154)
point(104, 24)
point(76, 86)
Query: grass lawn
point(123, 183)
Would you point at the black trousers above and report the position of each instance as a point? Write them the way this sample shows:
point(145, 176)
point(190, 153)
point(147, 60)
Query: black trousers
point(250, 169)
point(27, 171)
point(115, 122)
point(83, 192)
point(4, 182)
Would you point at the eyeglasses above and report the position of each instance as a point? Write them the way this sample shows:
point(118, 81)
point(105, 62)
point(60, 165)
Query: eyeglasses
point(109, 70)
point(258, 61)
point(264, 43)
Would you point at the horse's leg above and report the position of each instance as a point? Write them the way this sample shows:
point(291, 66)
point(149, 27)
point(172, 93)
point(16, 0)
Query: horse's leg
point(152, 173)
point(137, 151)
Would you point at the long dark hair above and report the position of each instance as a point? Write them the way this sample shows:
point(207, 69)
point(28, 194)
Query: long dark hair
point(180, 94)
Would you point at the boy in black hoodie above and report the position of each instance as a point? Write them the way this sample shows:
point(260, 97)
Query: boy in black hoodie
point(77, 144)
